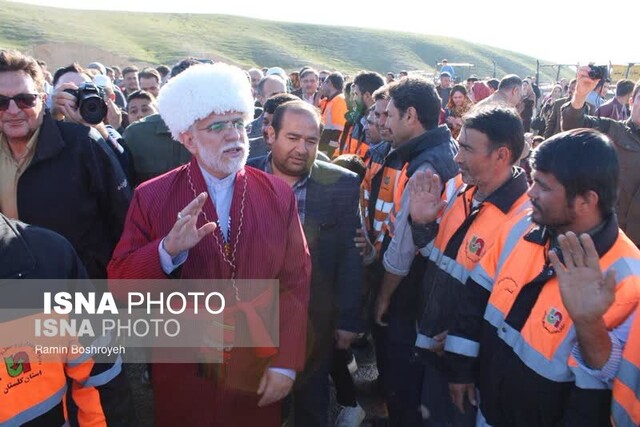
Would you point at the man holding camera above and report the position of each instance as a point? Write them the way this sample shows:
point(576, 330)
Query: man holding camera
point(626, 139)
point(54, 174)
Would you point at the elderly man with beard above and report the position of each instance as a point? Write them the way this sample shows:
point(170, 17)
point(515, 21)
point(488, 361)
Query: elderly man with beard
point(214, 219)
point(533, 331)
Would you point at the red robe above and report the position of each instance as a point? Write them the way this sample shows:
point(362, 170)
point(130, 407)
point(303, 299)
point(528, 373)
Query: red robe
point(271, 246)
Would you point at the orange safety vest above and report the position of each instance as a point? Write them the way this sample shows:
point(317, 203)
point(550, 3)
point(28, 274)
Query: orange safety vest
point(625, 405)
point(480, 232)
point(527, 336)
point(333, 112)
point(33, 381)
point(365, 197)
point(545, 341)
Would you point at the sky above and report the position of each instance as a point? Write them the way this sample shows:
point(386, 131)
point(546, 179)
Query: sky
point(554, 31)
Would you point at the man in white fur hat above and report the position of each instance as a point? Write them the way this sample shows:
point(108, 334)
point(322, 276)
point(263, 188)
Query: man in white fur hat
point(214, 219)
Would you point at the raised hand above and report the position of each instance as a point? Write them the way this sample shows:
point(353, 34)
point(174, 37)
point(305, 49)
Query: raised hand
point(586, 292)
point(184, 235)
point(425, 202)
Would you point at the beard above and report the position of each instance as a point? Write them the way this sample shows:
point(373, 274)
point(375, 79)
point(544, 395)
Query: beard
point(216, 160)
point(558, 221)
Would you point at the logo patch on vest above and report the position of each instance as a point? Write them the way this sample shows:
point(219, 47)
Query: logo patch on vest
point(17, 364)
point(553, 320)
point(476, 245)
point(507, 284)
point(387, 180)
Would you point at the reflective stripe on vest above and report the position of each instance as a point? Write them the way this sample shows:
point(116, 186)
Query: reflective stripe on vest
point(622, 418)
point(36, 410)
point(554, 369)
point(391, 188)
point(625, 409)
point(547, 337)
point(449, 265)
point(462, 346)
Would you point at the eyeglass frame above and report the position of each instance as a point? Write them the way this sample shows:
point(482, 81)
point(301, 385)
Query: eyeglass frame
point(13, 98)
point(225, 125)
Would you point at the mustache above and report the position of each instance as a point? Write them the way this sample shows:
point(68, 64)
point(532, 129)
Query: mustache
point(535, 205)
point(234, 146)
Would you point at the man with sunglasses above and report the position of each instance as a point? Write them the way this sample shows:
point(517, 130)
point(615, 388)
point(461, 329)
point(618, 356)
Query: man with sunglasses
point(213, 219)
point(57, 175)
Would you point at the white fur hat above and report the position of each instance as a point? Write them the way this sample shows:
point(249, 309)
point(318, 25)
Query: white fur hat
point(201, 90)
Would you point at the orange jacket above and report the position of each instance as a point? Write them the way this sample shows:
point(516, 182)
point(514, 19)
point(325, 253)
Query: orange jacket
point(625, 407)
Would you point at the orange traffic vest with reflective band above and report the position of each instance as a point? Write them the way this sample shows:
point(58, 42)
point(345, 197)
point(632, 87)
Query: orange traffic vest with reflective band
point(454, 255)
point(547, 337)
point(333, 112)
point(33, 384)
point(365, 197)
point(625, 405)
point(353, 146)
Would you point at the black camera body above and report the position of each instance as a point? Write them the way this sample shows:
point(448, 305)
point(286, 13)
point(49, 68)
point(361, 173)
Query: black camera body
point(598, 72)
point(90, 102)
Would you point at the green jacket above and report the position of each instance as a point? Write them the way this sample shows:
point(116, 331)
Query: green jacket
point(153, 150)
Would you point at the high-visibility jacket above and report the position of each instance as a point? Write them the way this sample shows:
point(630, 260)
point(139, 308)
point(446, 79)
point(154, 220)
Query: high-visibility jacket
point(513, 328)
point(34, 381)
point(434, 147)
point(333, 111)
point(352, 139)
point(374, 163)
point(625, 405)
point(465, 233)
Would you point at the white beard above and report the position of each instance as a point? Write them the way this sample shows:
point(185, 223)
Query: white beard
point(213, 158)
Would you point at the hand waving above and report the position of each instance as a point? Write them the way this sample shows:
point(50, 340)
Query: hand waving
point(184, 235)
point(425, 202)
point(585, 291)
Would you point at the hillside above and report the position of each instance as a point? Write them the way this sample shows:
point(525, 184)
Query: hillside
point(60, 36)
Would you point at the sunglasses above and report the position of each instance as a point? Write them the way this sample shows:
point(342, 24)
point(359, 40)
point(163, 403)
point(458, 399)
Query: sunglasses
point(22, 100)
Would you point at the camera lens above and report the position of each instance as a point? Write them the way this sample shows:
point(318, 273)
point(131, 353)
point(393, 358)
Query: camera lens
point(93, 109)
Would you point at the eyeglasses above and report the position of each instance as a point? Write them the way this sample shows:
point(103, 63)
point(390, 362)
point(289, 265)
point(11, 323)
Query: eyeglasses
point(220, 127)
point(22, 100)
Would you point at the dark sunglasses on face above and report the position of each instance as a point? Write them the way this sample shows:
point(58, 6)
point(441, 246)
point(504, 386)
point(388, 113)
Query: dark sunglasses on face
point(22, 100)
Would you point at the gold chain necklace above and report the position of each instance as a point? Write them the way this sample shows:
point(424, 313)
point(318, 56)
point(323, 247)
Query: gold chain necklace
point(228, 254)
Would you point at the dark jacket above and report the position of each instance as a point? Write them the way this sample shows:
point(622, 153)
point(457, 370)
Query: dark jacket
point(553, 124)
point(626, 138)
point(331, 219)
point(153, 150)
point(75, 187)
point(30, 255)
point(436, 148)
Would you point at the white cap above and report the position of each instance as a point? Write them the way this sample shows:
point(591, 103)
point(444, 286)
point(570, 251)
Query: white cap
point(201, 90)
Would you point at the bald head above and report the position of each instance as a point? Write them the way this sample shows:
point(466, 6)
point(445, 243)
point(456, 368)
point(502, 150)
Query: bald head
point(255, 75)
point(269, 86)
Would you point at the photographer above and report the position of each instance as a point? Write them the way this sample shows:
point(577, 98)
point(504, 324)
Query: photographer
point(94, 109)
point(56, 174)
point(626, 138)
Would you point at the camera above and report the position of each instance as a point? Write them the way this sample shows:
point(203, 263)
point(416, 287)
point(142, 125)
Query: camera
point(90, 102)
point(598, 72)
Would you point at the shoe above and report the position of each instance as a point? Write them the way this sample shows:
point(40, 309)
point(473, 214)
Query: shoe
point(146, 377)
point(352, 366)
point(350, 416)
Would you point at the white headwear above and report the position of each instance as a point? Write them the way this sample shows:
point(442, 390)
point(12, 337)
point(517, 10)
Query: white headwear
point(201, 90)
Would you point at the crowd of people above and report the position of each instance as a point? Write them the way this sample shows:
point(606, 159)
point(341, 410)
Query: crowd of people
point(482, 235)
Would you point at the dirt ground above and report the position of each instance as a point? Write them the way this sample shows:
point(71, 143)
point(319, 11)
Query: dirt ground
point(364, 379)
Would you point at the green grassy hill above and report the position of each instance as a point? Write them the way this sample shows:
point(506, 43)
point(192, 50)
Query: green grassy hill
point(59, 36)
